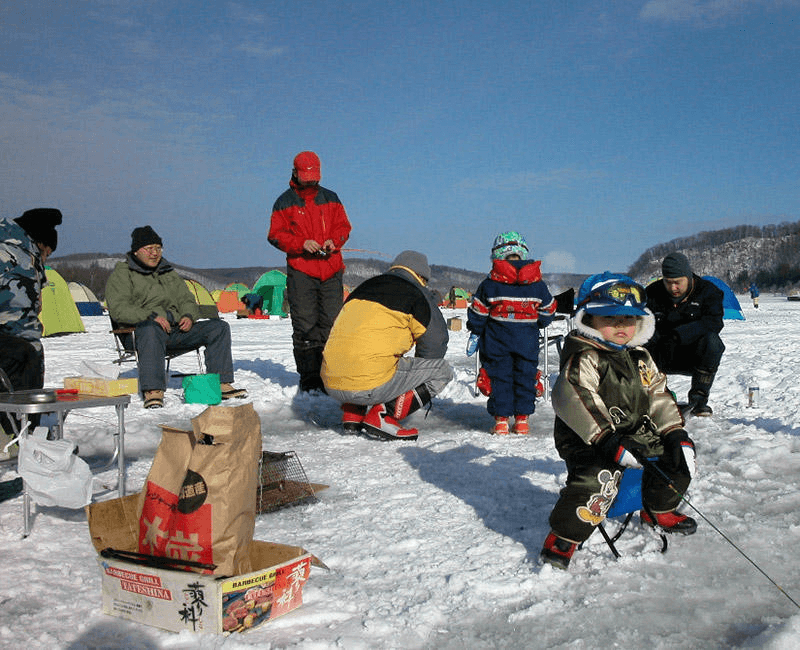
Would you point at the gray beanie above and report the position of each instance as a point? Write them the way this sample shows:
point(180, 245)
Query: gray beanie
point(415, 261)
point(676, 265)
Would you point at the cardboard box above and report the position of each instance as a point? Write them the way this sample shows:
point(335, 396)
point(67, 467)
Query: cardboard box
point(181, 600)
point(103, 387)
point(454, 324)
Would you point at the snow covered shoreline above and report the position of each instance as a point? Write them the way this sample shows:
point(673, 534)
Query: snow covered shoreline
point(433, 544)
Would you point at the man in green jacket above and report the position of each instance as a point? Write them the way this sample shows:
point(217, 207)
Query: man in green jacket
point(147, 293)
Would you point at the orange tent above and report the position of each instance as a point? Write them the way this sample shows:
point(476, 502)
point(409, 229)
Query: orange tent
point(228, 301)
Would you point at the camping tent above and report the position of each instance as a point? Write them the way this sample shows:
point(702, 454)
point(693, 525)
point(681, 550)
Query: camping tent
point(733, 310)
point(86, 302)
point(239, 288)
point(208, 308)
point(272, 286)
point(59, 314)
point(228, 301)
point(456, 298)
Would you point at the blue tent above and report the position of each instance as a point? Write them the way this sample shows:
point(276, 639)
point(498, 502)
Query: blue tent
point(86, 302)
point(733, 310)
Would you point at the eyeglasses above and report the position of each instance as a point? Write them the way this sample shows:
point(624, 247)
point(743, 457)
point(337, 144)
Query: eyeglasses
point(618, 292)
point(155, 249)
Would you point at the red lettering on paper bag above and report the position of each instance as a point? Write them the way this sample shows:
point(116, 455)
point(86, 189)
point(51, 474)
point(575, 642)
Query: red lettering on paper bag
point(164, 531)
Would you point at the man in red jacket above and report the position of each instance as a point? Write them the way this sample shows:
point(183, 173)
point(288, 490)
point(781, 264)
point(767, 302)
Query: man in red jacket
point(310, 225)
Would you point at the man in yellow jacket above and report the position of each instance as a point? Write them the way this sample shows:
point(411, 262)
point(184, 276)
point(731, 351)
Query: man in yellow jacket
point(364, 364)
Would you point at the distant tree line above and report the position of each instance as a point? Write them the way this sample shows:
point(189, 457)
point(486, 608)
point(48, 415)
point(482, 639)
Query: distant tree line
point(93, 276)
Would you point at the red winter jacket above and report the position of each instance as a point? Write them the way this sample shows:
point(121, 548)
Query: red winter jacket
point(302, 213)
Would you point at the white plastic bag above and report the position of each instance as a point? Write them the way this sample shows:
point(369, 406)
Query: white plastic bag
point(53, 474)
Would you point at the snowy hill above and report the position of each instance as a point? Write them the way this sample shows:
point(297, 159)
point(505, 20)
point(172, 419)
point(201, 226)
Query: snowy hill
point(768, 255)
point(92, 269)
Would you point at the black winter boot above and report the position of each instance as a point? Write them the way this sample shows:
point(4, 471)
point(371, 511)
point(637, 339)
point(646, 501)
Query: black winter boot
point(309, 362)
point(698, 393)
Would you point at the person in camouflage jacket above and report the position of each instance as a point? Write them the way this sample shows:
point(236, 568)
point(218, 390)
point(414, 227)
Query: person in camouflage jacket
point(25, 244)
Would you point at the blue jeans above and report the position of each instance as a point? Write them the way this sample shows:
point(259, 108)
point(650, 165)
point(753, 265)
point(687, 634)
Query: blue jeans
point(152, 343)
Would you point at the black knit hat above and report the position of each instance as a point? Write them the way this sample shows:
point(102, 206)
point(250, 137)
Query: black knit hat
point(144, 236)
point(676, 265)
point(40, 224)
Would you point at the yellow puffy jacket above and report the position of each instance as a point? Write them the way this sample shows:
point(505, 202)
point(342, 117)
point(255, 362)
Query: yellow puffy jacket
point(382, 319)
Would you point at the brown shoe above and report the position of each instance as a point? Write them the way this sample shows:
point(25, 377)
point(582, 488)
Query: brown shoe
point(229, 392)
point(154, 399)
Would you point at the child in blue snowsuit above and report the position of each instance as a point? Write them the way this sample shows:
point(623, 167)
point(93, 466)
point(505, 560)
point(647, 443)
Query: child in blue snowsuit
point(504, 317)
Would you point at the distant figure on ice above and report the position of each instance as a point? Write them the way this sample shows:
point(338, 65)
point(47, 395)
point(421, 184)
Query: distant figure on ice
point(147, 293)
point(504, 317)
point(364, 366)
point(452, 296)
point(254, 302)
point(754, 293)
point(310, 225)
point(688, 311)
point(25, 244)
point(613, 409)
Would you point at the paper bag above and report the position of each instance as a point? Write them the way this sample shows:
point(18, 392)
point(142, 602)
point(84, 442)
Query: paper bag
point(199, 500)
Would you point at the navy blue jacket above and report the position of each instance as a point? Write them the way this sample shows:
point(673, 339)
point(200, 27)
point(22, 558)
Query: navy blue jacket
point(509, 307)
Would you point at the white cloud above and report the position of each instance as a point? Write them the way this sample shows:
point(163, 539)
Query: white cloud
point(559, 262)
point(704, 11)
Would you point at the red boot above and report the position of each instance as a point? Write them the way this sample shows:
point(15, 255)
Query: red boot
point(557, 551)
point(353, 417)
point(670, 522)
point(500, 427)
point(378, 421)
point(520, 425)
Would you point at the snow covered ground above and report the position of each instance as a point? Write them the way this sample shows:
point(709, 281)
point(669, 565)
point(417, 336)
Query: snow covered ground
point(434, 544)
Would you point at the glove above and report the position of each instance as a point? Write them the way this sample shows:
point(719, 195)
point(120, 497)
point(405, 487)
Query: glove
point(472, 344)
point(539, 384)
point(622, 450)
point(679, 455)
point(484, 383)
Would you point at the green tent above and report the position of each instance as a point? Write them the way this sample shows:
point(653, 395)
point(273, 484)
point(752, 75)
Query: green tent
point(238, 287)
point(59, 313)
point(272, 287)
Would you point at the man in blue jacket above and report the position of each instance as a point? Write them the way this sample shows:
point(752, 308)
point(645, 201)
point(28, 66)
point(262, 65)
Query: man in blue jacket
point(688, 311)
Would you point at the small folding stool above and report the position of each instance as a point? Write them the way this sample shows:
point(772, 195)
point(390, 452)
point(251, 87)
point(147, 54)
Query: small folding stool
point(627, 504)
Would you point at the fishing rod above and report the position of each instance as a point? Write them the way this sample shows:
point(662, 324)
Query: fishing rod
point(710, 523)
point(362, 250)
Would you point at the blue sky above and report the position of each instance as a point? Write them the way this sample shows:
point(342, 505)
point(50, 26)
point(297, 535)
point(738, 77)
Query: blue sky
point(595, 128)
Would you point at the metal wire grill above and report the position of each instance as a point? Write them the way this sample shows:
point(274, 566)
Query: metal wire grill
point(282, 482)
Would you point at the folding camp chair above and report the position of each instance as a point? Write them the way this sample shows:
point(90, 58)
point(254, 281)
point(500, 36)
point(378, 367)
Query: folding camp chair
point(627, 503)
point(125, 342)
point(564, 312)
